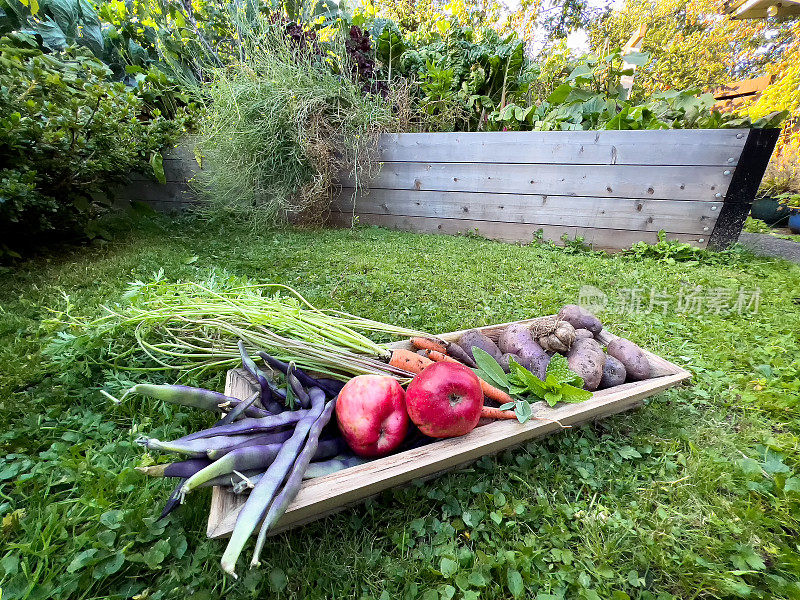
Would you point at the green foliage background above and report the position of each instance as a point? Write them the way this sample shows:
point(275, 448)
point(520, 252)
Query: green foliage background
point(66, 133)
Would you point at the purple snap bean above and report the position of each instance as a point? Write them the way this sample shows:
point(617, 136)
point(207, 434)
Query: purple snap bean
point(264, 383)
point(237, 410)
point(249, 425)
point(196, 448)
point(192, 397)
point(332, 465)
point(262, 494)
point(304, 377)
point(242, 459)
point(259, 439)
point(294, 480)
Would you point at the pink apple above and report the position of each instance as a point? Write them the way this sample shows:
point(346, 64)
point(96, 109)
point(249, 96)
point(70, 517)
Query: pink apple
point(371, 412)
point(445, 400)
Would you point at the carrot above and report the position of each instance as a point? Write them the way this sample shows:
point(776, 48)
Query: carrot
point(427, 344)
point(488, 390)
point(409, 361)
point(440, 357)
point(490, 412)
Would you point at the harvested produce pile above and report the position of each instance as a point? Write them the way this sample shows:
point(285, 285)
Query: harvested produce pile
point(555, 359)
point(268, 443)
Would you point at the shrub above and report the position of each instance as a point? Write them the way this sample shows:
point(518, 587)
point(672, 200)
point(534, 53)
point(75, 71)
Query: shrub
point(66, 133)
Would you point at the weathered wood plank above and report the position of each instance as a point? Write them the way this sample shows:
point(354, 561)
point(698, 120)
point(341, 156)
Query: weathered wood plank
point(743, 87)
point(637, 214)
point(618, 181)
point(670, 147)
point(332, 493)
point(175, 170)
point(152, 192)
point(605, 239)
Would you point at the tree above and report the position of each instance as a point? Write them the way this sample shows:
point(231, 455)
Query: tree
point(691, 44)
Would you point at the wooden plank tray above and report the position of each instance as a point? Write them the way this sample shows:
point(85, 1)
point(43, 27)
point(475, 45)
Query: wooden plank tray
point(329, 494)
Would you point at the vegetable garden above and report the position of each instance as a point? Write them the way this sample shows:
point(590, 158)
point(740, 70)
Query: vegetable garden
point(242, 371)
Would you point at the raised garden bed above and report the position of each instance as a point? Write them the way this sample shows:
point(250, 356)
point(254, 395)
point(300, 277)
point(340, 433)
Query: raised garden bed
point(332, 493)
point(613, 188)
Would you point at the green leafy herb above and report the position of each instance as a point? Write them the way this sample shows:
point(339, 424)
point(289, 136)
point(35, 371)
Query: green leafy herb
point(488, 369)
point(560, 384)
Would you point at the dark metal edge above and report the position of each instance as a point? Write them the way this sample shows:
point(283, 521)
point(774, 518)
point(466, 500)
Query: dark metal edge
point(745, 180)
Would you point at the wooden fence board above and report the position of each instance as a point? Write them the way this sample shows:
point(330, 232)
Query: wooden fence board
point(617, 181)
point(156, 194)
point(674, 147)
point(638, 214)
point(605, 239)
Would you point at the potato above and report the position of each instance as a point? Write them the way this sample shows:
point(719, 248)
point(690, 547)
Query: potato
point(535, 363)
point(517, 339)
point(583, 334)
point(629, 354)
point(504, 361)
point(580, 318)
point(588, 345)
point(613, 373)
point(586, 358)
point(474, 338)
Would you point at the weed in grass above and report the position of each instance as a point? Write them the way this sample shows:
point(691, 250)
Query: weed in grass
point(695, 496)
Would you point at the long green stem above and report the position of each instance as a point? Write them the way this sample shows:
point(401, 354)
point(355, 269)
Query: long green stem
point(189, 326)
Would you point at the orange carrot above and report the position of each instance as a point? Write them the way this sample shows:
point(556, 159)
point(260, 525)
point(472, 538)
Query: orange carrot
point(490, 412)
point(428, 344)
point(441, 357)
point(488, 390)
point(409, 361)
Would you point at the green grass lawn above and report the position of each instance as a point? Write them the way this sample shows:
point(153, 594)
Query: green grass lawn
point(695, 496)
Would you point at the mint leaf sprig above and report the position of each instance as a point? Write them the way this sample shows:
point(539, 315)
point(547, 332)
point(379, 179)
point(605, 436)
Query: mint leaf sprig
point(560, 384)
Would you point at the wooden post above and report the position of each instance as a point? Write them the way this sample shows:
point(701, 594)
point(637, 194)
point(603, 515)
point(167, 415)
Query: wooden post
point(634, 44)
point(745, 179)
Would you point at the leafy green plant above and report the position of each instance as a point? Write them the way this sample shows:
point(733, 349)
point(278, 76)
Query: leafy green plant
point(57, 24)
point(560, 384)
point(666, 250)
point(753, 225)
point(592, 97)
point(791, 200)
point(282, 124)
point(66, 133)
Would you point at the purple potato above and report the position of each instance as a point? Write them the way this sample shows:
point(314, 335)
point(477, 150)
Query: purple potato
point(580, 318)
point(613, 373)
point(629, 354)
point(586, 358)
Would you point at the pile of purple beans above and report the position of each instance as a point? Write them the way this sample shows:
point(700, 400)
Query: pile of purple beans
point(266, 444)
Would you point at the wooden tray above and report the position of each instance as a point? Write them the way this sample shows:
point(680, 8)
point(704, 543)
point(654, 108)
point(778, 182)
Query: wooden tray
point(329, 494)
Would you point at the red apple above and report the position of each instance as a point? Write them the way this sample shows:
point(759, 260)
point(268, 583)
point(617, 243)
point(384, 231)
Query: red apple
point(445, 400)
point(371, 412)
